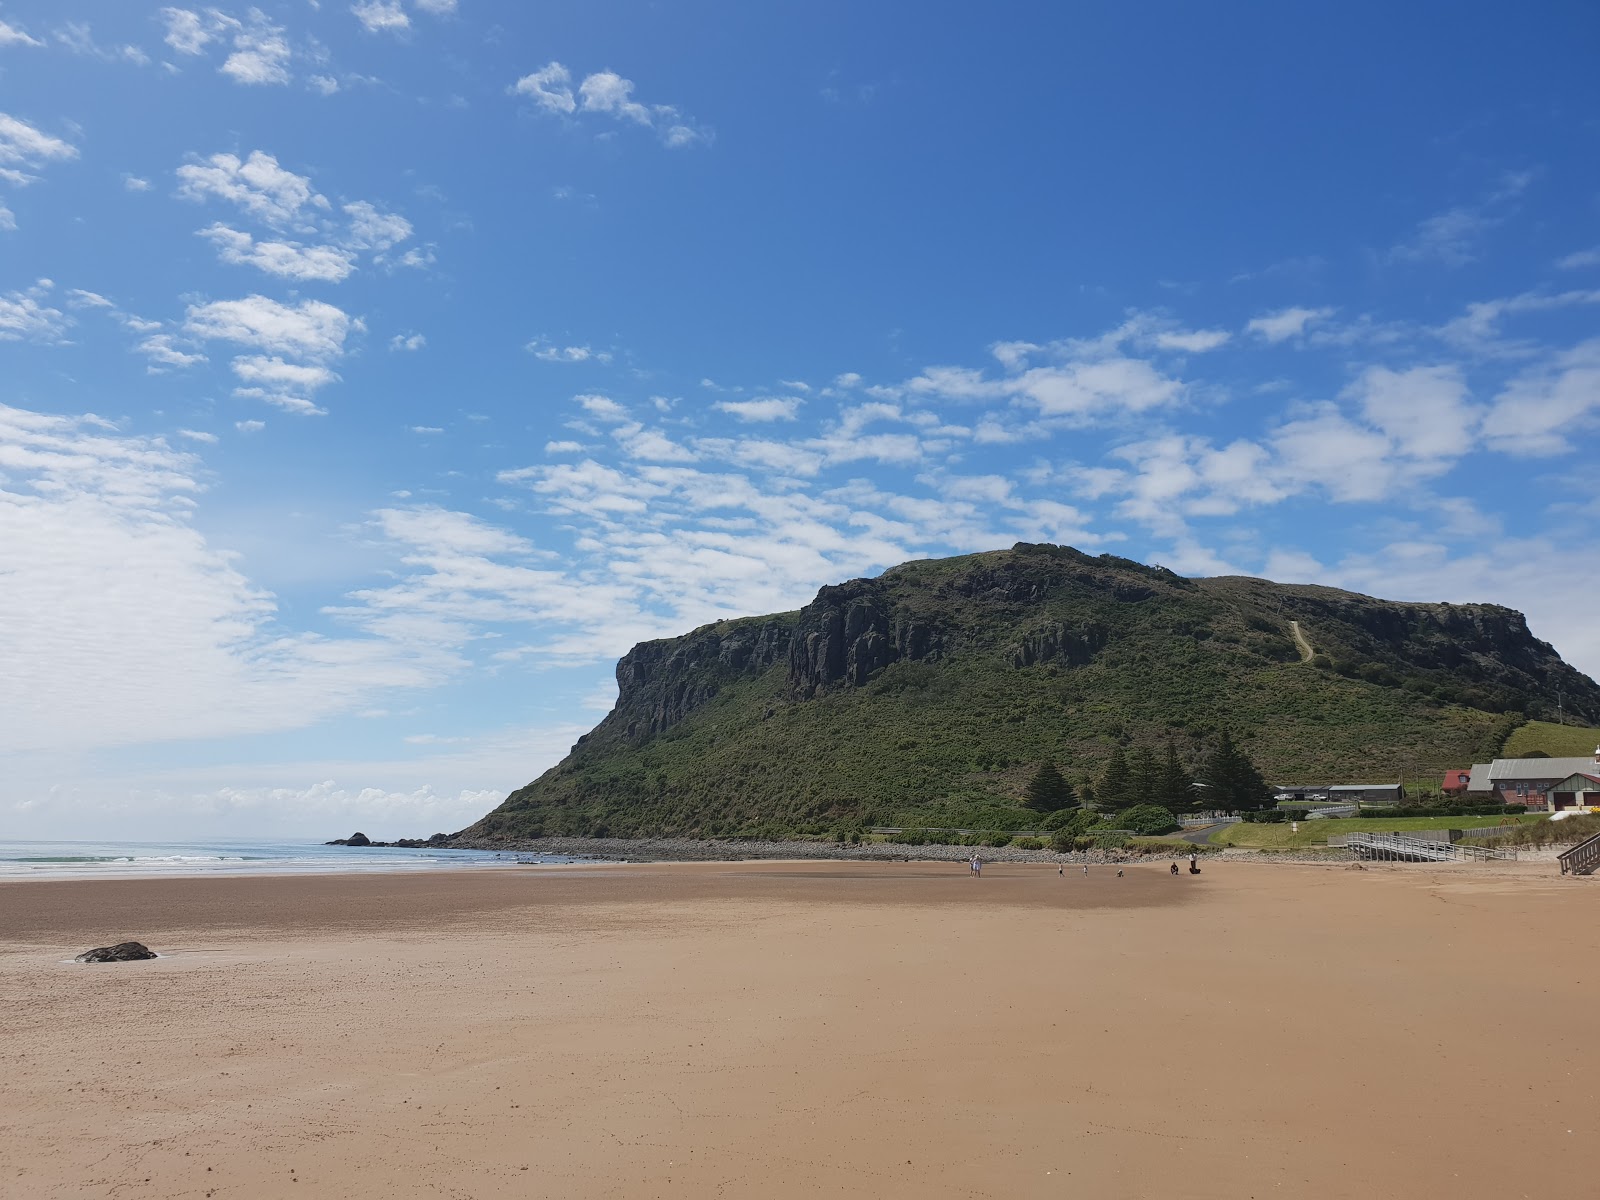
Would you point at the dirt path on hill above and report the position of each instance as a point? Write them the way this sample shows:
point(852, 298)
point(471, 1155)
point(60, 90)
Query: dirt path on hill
point(1306, 652)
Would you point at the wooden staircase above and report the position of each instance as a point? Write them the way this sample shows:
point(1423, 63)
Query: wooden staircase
point(1583, 858)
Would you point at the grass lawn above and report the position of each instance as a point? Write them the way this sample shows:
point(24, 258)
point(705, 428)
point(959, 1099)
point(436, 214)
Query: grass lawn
point(1558, 741)
point(1316, 833)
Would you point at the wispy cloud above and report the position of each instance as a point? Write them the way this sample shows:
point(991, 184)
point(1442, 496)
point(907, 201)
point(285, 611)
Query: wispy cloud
point(606, 94)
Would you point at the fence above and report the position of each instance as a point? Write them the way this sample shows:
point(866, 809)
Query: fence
point(891, 830)
point(1199, 822)
point(1492, 831)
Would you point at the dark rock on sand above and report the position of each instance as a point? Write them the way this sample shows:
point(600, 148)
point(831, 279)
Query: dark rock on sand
point(121, 952)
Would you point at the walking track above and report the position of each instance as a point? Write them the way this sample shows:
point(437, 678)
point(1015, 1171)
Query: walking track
point(1300, 641)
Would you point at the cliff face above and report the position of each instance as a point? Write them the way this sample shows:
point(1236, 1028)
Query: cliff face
point(942, 682)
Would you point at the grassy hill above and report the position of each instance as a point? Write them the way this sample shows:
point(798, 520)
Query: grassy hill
point(1555, 741)
point(928, 695)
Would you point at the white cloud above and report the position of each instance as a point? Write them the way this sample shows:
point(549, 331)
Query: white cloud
point(289, 386)
point(257, 184)
point(109, 586)
point(325, 85)
point(251, 426)
point(161, 350)
point(261, 53)
point(311, 329)
point(1425, 410)
point(1580, 259)
point(608, 94)
point(767, 408)
point(189, 32)
point(1542, 410)
point(1286, 323)
point(134, 183)
point(78, 37)
point(414, 341)
point(1192, 342)
point(8, 219)
point(24, 316)
point(550, 87)
point(381, 16)
point(287, 260)
point(437, 8)
point(428, 429)
point(371, 229)
point(566, 354)
point(24, 148)
point(198, 435)
point(10, 35)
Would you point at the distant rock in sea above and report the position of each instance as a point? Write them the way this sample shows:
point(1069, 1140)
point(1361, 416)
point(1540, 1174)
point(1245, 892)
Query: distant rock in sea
point(437, 841)
point(121, 952)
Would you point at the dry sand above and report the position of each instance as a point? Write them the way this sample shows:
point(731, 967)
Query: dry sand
point(730, 1029)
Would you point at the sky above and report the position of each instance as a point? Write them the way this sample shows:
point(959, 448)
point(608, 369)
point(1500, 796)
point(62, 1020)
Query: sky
point(374, 374)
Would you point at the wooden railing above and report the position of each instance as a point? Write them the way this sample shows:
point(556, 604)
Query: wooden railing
point(1583, 858)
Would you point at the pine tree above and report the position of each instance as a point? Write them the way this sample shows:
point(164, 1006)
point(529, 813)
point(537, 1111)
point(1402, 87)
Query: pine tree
point(1233, 783)
point(1049, 790)
point(1174, 788)
point(1142, 777)
point(1111, 793)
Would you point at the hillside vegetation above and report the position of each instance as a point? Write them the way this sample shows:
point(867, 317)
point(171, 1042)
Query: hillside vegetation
point(929, 696)
point(1555, 741)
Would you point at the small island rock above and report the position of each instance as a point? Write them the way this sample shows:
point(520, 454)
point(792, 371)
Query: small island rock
point(121, 952)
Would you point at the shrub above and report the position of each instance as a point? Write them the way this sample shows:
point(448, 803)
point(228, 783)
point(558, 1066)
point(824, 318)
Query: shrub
point(1074, 820)
point(1029, 843)
point(1062, 840)
point(999, 839)
point(1148, 820)
point(1267, 816)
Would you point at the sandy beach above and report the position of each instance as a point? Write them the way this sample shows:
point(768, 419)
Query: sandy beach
point(802, 1029)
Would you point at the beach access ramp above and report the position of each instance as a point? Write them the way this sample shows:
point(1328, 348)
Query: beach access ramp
point(1397, 847)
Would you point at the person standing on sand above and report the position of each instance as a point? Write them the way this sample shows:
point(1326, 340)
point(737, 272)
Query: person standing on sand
point(1086, 870)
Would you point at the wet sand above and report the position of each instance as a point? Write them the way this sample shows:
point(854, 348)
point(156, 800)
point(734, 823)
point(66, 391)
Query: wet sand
point(840, 1029)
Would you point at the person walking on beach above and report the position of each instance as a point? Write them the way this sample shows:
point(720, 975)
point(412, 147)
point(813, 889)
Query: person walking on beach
point(1086, 869)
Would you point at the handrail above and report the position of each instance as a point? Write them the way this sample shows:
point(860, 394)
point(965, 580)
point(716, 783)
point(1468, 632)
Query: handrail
point(1583, 858)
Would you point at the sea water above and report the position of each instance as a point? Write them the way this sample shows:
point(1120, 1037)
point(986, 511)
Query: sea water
point(79, 860)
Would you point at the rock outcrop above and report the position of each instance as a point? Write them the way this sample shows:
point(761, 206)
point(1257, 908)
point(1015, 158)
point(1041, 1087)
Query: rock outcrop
point(121, 952)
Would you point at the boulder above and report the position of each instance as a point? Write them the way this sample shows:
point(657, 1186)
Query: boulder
point(355, 839)
point(121, 952)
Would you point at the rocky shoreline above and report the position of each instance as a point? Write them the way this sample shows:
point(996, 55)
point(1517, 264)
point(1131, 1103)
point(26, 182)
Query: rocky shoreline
point(698, 850)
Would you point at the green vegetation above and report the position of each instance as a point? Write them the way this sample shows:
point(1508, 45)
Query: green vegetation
point(931, 695)
point(1550, 833)
point(1317, 833)
point(1555, 741)
point(1147, 820)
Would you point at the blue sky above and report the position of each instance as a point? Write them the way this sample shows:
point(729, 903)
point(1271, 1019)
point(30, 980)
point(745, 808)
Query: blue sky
point(375, 374)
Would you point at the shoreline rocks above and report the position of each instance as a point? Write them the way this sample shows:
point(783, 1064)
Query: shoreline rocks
point(121, 952)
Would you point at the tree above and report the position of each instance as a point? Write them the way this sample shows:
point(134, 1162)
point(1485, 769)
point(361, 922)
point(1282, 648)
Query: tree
point(1049, 791)
point(1174, 789)
point(1142, 775)
point(1111, 793)
point(1231, 780)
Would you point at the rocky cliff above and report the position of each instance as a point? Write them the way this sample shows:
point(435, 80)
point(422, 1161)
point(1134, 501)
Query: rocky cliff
point(936, 687)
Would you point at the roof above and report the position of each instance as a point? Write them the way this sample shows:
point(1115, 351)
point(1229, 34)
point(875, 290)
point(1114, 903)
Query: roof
point(1365, 787)
point(1480, 778)
point(1581, 781)
point(1452, 777)
point(1539, 768)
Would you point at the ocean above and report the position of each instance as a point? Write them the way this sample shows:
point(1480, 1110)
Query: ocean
point(82, 860)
